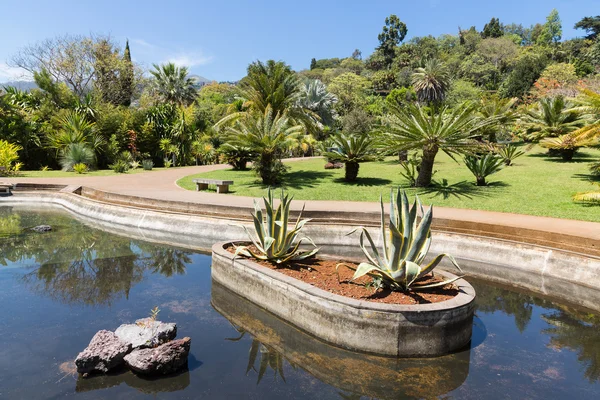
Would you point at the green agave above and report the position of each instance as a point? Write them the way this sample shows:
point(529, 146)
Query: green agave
point(404, 247)
point(273, 240)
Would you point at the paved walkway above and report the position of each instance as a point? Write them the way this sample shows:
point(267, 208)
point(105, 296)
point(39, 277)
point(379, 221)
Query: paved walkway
point(161, 185)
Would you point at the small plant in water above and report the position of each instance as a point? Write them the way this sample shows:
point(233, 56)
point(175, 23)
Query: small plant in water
point(150, 323)
point(405, 245)
point(272, 240)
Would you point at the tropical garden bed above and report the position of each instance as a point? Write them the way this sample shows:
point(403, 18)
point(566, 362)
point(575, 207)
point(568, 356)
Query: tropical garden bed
point(325, 275)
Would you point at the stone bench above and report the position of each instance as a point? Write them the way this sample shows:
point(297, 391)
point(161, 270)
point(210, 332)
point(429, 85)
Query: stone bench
point(5, 188)
point(222, 186)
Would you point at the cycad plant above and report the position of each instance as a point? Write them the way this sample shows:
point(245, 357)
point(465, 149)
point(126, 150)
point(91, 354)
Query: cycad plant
point(405, 244)
point(272, 239)
point(551, 117)
point(588, 197)
point(451, 131)
point(268, 136)
point(483, 166)
point(351, 150)
point(567, 145)
point(508, 153)
point(503, 113)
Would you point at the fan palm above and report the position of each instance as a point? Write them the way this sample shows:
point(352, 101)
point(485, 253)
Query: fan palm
point(351, 150)
point(451, 131)
point(76, 153)
point(172, 84)
point(268, 136)
point(314, 97)
point(75, 129)
point(551, 117)
point(431, 82)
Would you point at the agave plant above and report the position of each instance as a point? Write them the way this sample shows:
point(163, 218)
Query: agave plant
point(483, 166)
point(405, 245)
point(272, 241)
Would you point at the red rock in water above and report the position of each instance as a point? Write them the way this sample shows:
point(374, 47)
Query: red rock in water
point(105, 352)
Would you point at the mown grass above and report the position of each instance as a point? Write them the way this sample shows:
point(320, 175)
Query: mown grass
point(536, 184)
point(64, 174)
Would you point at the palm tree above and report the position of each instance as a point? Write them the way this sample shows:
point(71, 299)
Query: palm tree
point(316, 98)
point(268, 135)
point(567, 145)
point(75, 129)
point(451, 131)
point(274, 85)
point(351, 150)
point(76, 153)
point(431, 82)
point(482, 167)
point(172, 84)
point(551, 117)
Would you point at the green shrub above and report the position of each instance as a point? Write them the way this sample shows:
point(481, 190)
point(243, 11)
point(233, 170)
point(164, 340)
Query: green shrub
point(405, 246)
point(120, 166)
point(134, 164)
point(147, 165)
point(80, 168)
point(273, 241)
point(9, 155)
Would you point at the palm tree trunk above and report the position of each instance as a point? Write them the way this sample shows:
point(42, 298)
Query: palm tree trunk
point(567, 154)
point(426, 167)
point(480, 180)
point(403, 156)
point(351, 171)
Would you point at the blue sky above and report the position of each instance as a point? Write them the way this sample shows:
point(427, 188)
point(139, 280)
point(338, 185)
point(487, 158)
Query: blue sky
point(217, 39)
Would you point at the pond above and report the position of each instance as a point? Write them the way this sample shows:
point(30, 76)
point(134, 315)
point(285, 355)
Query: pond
point(58, 289)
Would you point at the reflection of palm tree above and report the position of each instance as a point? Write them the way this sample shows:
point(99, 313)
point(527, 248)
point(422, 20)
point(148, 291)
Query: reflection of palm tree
point(167, 261)
point(269, 357)
point(520, 305)
point(578, 332)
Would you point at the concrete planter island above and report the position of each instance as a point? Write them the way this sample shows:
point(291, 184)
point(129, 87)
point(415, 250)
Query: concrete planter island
point(423, 330)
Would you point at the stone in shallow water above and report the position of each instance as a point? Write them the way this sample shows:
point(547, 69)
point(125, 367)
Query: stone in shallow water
point(164, 359)
point(146, 333)
point(42, 228)
point(105, 352)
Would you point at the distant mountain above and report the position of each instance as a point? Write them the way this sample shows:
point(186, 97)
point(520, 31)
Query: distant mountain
point(21, 85)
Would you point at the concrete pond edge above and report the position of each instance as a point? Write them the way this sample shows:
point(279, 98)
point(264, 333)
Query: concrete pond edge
point(421, 330)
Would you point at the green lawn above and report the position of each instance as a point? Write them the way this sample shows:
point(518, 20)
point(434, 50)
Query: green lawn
point(64, 174)
point(535, 184)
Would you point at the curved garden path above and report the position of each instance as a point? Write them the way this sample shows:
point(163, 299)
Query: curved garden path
point(161, 185)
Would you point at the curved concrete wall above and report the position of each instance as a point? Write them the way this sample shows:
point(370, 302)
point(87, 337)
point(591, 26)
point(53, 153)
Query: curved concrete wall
point(566, 275)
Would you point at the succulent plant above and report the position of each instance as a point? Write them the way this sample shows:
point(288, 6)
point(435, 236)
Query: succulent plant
point(272, 240)
point(405, 244)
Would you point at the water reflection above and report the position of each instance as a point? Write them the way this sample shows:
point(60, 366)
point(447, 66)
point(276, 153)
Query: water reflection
point(76, 264)
point(577, 331)
point(169, 383)
point(352, 373)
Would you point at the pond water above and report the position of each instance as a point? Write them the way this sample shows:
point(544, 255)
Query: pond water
point(58, 289)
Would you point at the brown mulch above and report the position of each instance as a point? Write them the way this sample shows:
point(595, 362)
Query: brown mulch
point(323, 274)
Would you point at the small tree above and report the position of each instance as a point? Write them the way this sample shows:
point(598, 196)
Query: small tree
point(394, 32)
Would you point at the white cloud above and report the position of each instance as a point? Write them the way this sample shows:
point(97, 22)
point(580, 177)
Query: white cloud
point(8, 73)
point(142, 43)
point(189, 59)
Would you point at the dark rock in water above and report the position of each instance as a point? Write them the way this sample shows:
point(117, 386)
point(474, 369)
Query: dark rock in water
point(42, 228)
point(105, 352)
point(146, 332)
point(162, 360)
